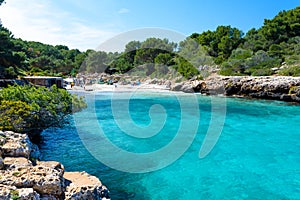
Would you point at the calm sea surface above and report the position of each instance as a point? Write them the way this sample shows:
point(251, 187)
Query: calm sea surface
point(257, 155)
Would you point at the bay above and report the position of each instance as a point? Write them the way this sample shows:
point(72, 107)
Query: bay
point(257, 155)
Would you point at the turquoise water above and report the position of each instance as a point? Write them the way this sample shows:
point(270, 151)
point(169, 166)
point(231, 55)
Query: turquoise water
point(256, 157)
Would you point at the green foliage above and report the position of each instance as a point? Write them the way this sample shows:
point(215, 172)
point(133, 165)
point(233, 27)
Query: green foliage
point(237, 62)
point(294, 90)
point(221, 42)
point(16, 115)
point(277, 41)
point(290, 71)
point(152, 56)
point(14, 195)
point(193, 52)
point(26, 108)
point(18, 57)
point(185, 68)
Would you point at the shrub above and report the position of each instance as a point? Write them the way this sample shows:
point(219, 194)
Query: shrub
point(290, 71)
point(16, 115)
point(27, 108)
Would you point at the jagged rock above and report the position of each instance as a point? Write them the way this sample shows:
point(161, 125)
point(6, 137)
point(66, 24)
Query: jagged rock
point(53, 165)
point(49, 197)
point(43, 180)
point(198, 86)
point(153, 81)
point(5, 192)
point(187, 88)
point(295, 90)
point(28, 193)
point(183, 87)
point(177, 87)
point(11, 192)
point(15, 149)
point(81, 185)
point(47, 180)
point(1, 163)
point(277, 88)
point(19, 145)
point(2, 138)
point(14, 163)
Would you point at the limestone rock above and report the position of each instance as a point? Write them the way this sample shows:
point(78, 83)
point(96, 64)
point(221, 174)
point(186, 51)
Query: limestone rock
point(15, 149)
point(2, 138)
point(187, 88)
point(5, 192)
point(47, 180)
point(40, 180)
point(10, 192)
point(18, 145)
point(1, 163)
point(81, 185)
point(53, 165)
point(28, 193)
point(15, 163)
point(265, 87)
point(183, 87)
point(49, 197)
point(177, 87)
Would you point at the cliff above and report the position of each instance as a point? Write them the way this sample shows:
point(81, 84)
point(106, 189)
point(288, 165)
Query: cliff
point(22, 176)
point(283, 88)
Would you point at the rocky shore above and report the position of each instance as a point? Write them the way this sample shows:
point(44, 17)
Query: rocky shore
point(284, 88)
point(265, 87)
point(23, 177)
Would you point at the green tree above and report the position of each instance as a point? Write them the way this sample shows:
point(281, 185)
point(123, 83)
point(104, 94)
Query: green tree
point(132, 46)
point(97, 62)
point(26, 108)
point(237, 62)
point(221, 42)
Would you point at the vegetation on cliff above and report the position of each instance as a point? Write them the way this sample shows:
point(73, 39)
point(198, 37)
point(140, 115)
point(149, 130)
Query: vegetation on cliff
point(272, 49)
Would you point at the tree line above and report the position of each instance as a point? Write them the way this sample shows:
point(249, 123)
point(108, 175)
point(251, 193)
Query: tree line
point(274, 48)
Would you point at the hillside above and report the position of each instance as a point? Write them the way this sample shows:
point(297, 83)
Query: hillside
point(272, 49)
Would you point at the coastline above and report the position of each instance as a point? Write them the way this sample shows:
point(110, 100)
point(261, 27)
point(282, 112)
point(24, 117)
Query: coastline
point(282, 88)
point(22, 174)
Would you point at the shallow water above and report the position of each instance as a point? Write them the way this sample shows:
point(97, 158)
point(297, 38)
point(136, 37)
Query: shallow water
point(257, 155)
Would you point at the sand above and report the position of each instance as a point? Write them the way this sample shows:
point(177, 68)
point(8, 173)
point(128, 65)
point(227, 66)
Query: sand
point(123, 88)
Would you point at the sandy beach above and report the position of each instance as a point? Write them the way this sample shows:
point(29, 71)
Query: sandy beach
point(123, 88)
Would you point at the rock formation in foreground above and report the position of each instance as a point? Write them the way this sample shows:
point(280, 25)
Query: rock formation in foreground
point(23, 177)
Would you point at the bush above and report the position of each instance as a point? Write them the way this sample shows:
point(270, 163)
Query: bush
point(27, 108)
point(290, 71)
point(15, 115)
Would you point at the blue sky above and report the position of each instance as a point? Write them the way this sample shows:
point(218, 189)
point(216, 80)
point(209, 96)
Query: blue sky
point(86, 24)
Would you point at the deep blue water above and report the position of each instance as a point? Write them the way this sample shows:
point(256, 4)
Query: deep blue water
point(257, 155)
